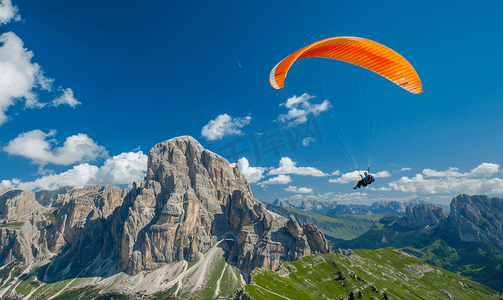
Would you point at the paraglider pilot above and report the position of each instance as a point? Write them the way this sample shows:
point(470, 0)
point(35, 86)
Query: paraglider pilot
point(368, 179)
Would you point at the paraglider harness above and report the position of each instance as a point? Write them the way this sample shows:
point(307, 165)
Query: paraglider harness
point(368, 179)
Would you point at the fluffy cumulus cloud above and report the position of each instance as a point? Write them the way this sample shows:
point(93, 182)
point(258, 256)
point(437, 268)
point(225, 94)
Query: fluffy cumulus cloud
point(355, 176)
point(280, 179)
point(8, 13)
point(302, 190)
point(287, 166)
point(66, 98)
point(484, 169)
point(452, 181)
point(224, 125)
point(300, 107)
point(124, 168)
point(252, 174)
point(20, 79)
point(38, 147)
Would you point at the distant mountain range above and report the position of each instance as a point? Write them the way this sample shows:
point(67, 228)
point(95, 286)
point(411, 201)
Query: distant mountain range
point(467, 240)
point(334, 209)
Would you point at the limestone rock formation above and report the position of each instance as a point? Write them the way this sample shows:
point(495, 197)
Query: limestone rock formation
point(190, 199)
point(20, 236)
point(53, 198)
point(422, 215)
point(281, 203)
point(84, 223)
point(476, 218)
point(388, 207)
point(18, 205)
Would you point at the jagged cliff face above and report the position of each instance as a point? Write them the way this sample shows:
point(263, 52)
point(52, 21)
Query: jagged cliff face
point(20, 236)
point(476, 218)
point(422, 215)
point(18, 205)
point(190, 200)
point(84, 224)
point(53, 198)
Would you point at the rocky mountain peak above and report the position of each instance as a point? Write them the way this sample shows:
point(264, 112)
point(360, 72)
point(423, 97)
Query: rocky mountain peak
point(190, 201)
point(18, 205)
point(422, 215)
point(476, 218)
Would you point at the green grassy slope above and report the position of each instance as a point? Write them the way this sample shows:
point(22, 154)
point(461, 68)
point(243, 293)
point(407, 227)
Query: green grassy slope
point(480, 262)
point(371, 274)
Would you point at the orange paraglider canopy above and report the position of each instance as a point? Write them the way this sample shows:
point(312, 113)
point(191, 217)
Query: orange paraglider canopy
point(358, 51)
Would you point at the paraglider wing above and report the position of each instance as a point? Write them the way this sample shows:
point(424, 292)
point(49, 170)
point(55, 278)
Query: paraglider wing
point(358, 51)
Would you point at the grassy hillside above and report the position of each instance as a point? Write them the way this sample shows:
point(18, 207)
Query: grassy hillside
point(478, 261)
point(367, 274)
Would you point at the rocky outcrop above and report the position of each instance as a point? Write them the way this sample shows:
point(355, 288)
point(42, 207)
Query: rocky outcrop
point(53, 198)
point(18, 205)
point(22, 237)
point(421, 216)
point(388, 207)
point(281, 203)
point(190, 199)
point(476, 218)
point(83, 226)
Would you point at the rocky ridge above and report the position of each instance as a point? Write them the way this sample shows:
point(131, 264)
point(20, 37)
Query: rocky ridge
point(191, 201)
point(422, 216)
point(334, 209)
point(476, 218)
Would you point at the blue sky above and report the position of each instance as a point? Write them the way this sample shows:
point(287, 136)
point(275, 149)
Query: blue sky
point(86, 90)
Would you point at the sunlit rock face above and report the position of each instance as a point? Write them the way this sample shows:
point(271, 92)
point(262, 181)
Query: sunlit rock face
point(21, 238)
point(422, 215)
point(476, 218)
point(191, 198)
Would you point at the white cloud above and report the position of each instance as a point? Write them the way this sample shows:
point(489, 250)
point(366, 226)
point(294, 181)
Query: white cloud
point(280, 179)
point(8, 12)
point(452, 182)
point(224, 125)
point(347, 178)
point(484, 169)
point(20, 78)
point(382, 174)
point(287, 166)
point(336, 173)
point(355, 176)
point(121, 169)
point(380, 189)
point(36, 146)
point(307, 141)
point(66, 98)
point(405, 169)
point(302, 190)
point(300, 107)
point(252, 174)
